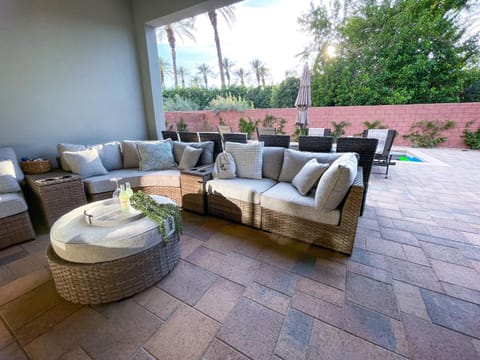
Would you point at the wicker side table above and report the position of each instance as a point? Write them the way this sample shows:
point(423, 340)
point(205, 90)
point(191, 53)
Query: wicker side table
point(56, 193)
point(193, 183)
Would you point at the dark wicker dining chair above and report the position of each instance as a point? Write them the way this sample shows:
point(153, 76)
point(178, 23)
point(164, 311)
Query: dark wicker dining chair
point(384, 158)
point(186, 136)
point(216, 138)
point(275, 140)
point(166, 134)
point(235, 137)
point(315, 143)
point(365, 148)
point(265, 131)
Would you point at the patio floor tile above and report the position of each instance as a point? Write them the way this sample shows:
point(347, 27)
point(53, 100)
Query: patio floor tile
point(373, 294)
point(221, 351)
point(410, 299)
point(319, 309)
point(186, 335)
point(267, 297)
point(276, 278)
point(321, 270)
point(452, 313)
point(427, 341)
point(252, 329)
point(445, 253)
point(158, 302)
point(456, 274)
point(321, 291)
point(220, 299)
point(414, 274)
point(369, 258)
point(295, 336)
point(187, 282)
point(370, 272)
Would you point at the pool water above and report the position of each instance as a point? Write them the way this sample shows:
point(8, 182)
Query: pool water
point(409, 158)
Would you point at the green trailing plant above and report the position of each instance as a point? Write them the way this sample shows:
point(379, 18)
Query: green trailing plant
point(471, 138)
point(299, 132)
point(427, 133)
point(158, 212)
point(168, 126)
point(339, 129)
point(271, 121)
point(182, 125)
point(377, 124)
point(247, 126)
point(229, 103)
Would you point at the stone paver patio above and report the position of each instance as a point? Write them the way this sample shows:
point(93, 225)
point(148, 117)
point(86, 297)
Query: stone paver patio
point(411, 289)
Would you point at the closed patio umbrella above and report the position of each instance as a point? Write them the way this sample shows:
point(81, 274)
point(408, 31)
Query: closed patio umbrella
point(304, 98)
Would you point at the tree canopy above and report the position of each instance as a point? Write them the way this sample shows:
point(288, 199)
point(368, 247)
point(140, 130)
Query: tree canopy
point(390, 52)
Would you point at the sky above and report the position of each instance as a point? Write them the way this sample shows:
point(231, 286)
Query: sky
point(263, 29)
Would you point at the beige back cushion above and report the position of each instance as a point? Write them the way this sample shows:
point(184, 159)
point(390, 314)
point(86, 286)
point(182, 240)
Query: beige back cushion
point(335, 182)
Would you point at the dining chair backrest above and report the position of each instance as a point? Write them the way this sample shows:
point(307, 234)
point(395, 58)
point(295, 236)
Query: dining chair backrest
point(167, 134)
point(186, 136)
point(235, 137)
point(216, 138)
point(319, 132)
point(265, 131)
point(315, 143)
point(275, 140)
point(224, 129)
point(387, 140)
point(365, 148)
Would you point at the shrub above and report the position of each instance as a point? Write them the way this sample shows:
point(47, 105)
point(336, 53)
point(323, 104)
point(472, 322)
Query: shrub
point(285, 94)
point(181, 125)
point(472, 138)
point(377, 124)
point(229, 103)
point(177, 103)
point(274, 122)
point(339, 129)
point(427, 133)
point(247, 126)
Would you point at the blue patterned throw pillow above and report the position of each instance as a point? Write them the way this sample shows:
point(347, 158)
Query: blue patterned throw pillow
point(155, 156)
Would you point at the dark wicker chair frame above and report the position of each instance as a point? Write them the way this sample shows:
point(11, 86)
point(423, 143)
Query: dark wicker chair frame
point(385, 158)
point(265, 131)
point(167, 134)
point(365, 148)
point(216, 138)
point(275, 140)
point(15, 229)
point(235, 137)
point(186, 136)
point(326, 132)
point(315, 143)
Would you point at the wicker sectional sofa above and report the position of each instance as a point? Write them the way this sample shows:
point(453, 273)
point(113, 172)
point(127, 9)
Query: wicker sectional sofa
point(122, 163)
point(272, 203)
point(15, 223)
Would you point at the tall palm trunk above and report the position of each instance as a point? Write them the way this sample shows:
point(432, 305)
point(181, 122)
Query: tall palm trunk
point(213, 19)
point(171, 42)
point(205, 80)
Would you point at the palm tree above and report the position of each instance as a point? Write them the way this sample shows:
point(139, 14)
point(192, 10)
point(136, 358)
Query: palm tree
point(205, 71)
point(263, 73)
point(258, 68)
point(242, 74)
point(183, 73)
point(195, 81)
point(227, 67)
point(229, 15)
point(165, 69)
point(179, 29)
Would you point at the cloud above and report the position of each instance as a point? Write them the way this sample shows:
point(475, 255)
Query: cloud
point(263, 29)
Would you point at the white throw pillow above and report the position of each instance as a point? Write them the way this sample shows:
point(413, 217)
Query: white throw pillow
point(335, 182)
point(8, 184)
point(85, 163)
point(155, 156)
point(61, 148)
point(248, 159)
point(306, 179)
point(189, 158)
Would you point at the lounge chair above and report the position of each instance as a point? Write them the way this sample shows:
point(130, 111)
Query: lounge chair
point(383, 156)
point(319, 132)
point(265, 131)
point(224, 129)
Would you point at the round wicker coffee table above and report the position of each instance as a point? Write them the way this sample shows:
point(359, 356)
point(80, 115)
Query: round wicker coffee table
point(98, 264)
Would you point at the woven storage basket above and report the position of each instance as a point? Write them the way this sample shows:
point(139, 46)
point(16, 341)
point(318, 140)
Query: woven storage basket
point(36, 167)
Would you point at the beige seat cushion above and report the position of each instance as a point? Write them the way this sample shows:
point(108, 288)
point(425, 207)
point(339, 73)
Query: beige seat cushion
point(12, 204)
point(136, 178)
point(248, 190)
point(284, 198)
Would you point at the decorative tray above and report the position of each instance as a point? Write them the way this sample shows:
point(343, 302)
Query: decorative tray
point(108, 213)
